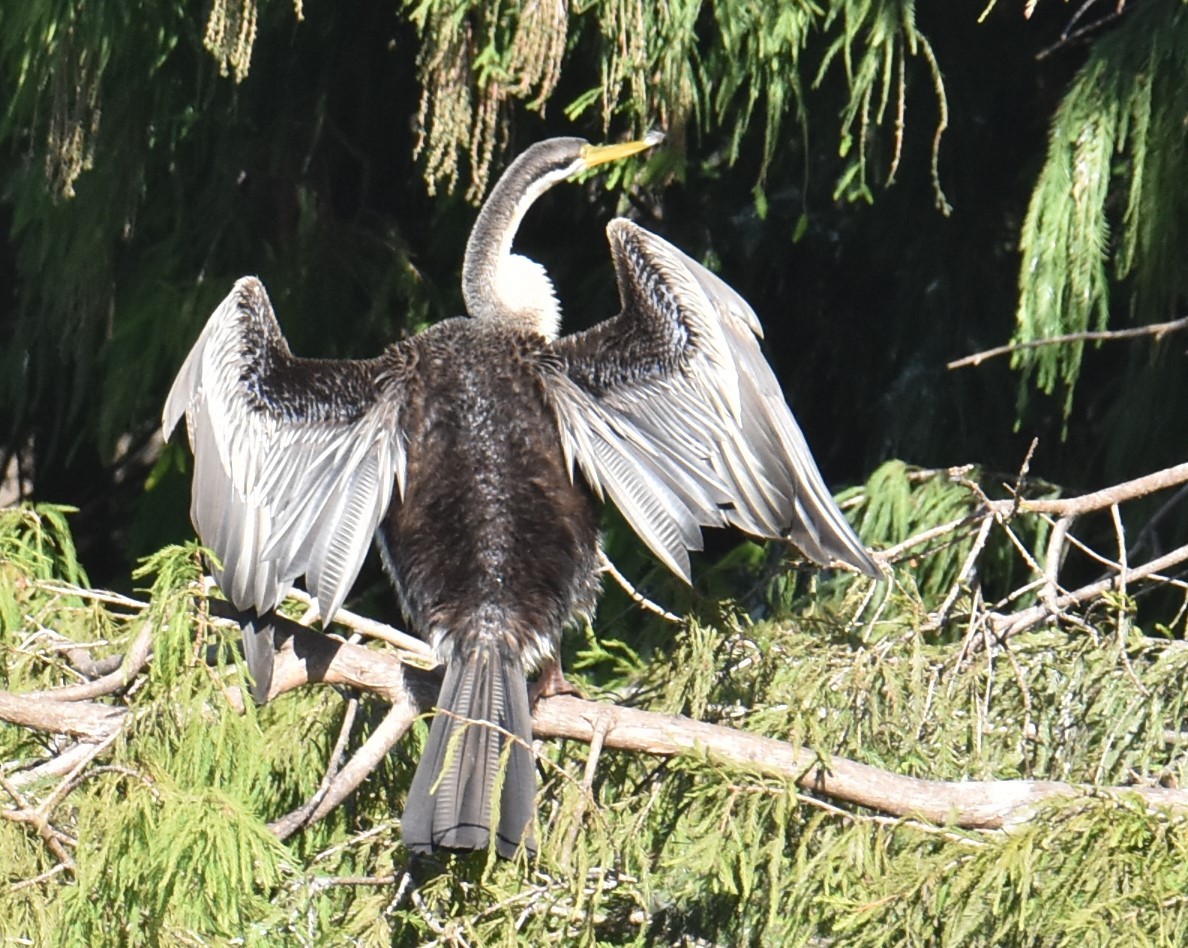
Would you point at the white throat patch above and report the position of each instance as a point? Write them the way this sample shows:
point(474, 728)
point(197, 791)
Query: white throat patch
point(524, 288)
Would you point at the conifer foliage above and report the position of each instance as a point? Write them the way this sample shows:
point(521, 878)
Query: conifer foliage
point(985, 747)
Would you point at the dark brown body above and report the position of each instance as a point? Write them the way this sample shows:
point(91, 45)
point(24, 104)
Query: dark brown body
point(493, 549)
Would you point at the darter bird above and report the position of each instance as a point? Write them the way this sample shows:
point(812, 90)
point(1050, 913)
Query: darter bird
point(476, 452)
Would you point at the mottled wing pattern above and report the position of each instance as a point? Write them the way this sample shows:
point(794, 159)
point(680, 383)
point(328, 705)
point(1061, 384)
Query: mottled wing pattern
point(294, 459)
point(671, 410)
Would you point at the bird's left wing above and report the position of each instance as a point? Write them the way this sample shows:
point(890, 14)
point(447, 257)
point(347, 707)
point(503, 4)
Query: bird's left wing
point(294, 459)
point(671, 410)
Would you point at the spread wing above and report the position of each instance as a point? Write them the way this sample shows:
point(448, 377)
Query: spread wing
point(294, 459)
point(671, 410)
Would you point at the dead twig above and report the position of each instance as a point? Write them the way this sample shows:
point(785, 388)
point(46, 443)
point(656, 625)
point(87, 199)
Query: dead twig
point(1098, 499)
point(608, 567)
point(1156, 330)
point(133, 662)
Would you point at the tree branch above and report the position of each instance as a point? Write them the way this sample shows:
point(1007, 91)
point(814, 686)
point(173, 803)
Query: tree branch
point(308, 657)
point(973, 804)
point(986, 804)
point(88, 720)
point(1006, 626)
point(1096, 500)
point(398, 676)
point(1156, 330)
point(125, 672)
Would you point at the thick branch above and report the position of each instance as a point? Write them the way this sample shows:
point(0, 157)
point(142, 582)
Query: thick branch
point(306, 657)
point(971, 804)
point(81, 719)
point(974, 804)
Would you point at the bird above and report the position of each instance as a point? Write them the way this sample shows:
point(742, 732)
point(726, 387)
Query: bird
point(478, 452)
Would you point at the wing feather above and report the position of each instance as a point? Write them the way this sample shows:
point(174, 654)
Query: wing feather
point(294, 459)
point(671, 410)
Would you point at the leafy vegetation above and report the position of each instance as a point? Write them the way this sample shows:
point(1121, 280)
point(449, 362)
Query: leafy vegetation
point(891, 185)
point(165, 823)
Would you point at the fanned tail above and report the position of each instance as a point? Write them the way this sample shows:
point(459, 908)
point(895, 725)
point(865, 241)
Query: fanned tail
point(450, 804)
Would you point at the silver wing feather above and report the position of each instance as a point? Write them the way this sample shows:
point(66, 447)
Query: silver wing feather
point(671, 410)
point(294, 459)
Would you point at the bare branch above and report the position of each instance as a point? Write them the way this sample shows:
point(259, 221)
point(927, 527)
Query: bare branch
point(371, 628)
point(302, 814)
point(984, 804)
point(1099, 499)
point(1006, 626)
point(608, 567)
point(134, 660)
point(57, 766)
point(88, 720)
point(357, 769)
point(1155, 330)
point(35, 817)
point(305, 656)
point(399, 676)
point(973, 804)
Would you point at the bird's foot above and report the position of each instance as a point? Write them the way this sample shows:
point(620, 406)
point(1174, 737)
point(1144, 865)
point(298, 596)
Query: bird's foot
point(551, 681)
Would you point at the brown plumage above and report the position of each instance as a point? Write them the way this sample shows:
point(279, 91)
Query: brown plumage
point(476, 451)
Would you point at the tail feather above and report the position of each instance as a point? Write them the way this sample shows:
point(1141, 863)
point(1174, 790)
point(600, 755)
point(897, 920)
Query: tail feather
point(258, 651)
point(452, 799)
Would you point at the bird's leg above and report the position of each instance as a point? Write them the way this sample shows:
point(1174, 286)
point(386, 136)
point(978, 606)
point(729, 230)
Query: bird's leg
point(551, 681)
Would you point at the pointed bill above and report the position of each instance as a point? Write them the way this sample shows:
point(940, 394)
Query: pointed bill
point(594, 155)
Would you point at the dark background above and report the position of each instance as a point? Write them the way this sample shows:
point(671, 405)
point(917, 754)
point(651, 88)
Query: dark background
point(304, 174)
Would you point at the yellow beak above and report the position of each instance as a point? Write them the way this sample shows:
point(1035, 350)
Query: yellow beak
point(601, 154)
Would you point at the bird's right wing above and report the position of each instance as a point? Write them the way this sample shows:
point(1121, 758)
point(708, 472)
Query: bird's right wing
point(294, 459)
point(671, 410)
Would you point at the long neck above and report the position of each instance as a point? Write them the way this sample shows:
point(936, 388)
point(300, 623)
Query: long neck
point(495, 284)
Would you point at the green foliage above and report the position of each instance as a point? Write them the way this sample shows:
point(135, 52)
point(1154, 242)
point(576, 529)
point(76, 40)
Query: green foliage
point(686, 65)
point(36, 541)
point(873, 45)
point(172, 861)
point(1111, 196)
point(172, 844)
point(138, 182)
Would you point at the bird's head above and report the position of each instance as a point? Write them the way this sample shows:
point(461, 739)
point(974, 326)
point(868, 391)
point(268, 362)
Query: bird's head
point(497, 284)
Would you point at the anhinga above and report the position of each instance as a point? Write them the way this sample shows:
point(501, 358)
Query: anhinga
point(476, 450)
